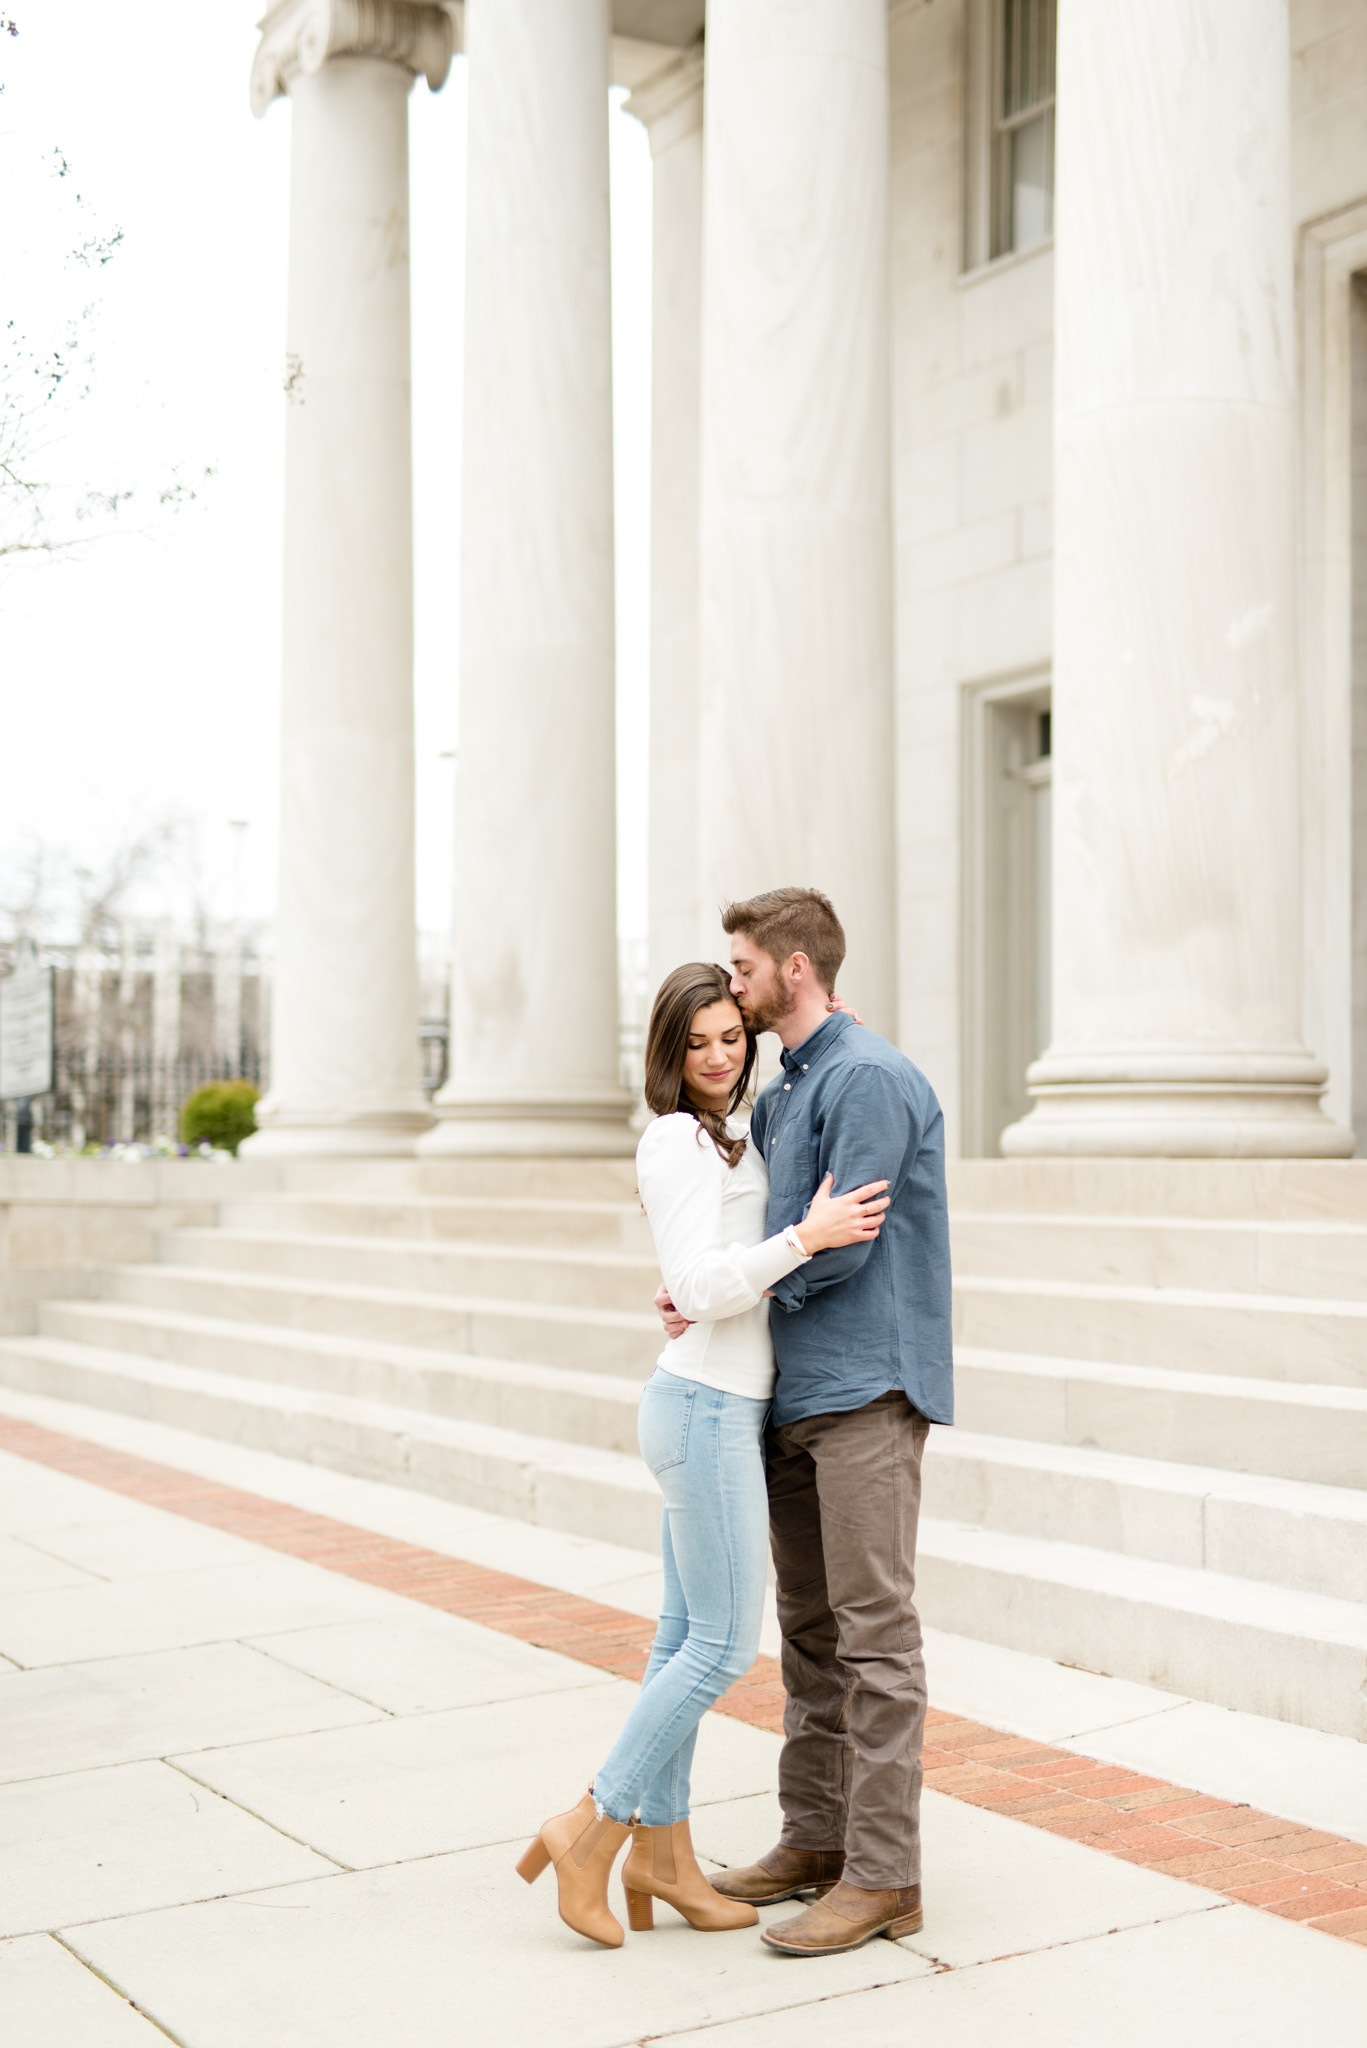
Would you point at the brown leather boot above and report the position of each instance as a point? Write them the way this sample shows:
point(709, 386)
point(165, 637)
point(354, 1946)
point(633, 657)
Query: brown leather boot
point(846, 1918)
point(662, 1866)
point(782, 1874)
point(583, 1850)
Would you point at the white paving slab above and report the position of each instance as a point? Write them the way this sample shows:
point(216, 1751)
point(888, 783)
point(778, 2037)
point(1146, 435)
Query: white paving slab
point(154, 1542)
point(433, 1661)
point(399, 1511)
point(1029, 1695)
point(1300, 1774)
point(639, 1592)
point(1304, 1775)
point(207, 1889)
point(181, 1608)
point(582, 1564)
point(93, 1843)
point(26, 1570)
point(1296, 1773)
point(213, 1458)
point(81, 1717)
point(50, 1999)
point(453, 1949)
point(987, 1891)
point(461, 1779)
point(35, 1497)
point(1228, 1979)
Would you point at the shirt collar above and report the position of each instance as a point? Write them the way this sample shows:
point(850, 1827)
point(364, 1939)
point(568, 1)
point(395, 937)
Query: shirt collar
point(818, 1042)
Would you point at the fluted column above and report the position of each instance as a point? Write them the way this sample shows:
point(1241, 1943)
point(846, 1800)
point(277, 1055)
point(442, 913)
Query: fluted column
point(345, 1038)
point(534, 985)
point(1177, 868)
point(670, 108)
point(796, 752)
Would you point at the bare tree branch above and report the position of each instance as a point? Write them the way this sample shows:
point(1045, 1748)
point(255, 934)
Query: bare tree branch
point(44, 386)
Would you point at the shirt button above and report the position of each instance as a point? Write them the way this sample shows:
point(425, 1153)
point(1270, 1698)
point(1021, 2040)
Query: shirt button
point(786, 1086)
point(804, 1066)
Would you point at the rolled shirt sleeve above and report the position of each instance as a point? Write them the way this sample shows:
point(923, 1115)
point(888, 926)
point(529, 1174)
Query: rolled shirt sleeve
point(869, 1133)
point(681, 1177)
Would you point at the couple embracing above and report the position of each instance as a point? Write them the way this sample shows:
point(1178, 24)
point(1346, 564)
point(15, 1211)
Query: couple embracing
point(806, 1299)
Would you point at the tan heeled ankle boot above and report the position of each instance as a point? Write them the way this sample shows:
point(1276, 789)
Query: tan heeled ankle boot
point(662, 1866)
point(583, 1849)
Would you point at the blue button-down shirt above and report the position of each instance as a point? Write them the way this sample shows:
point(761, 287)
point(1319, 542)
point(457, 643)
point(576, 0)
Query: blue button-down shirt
point(856, 1322)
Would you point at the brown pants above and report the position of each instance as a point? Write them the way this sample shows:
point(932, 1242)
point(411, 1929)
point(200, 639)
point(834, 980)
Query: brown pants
point(844, 1496)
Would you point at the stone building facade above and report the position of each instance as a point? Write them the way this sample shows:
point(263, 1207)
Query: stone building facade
point(1007, 393)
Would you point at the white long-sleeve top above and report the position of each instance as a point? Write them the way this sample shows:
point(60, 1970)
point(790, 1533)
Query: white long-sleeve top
point(708, 1220)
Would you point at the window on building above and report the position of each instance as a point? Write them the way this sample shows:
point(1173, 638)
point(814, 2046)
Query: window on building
point(1023, 139)
point(1009, 103)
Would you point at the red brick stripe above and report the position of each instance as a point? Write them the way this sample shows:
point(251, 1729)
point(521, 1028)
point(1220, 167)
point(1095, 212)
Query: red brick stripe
point(1296, 1872)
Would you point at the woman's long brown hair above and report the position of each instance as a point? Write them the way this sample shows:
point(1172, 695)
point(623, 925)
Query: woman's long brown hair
point(681, 995)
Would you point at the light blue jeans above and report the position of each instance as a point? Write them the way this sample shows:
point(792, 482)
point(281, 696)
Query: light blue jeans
point(706, 1449)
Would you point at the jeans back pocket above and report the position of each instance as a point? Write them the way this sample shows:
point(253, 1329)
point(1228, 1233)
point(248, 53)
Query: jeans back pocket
point(662, 1424)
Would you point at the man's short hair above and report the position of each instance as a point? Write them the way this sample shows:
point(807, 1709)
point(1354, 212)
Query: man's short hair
point(785, 921)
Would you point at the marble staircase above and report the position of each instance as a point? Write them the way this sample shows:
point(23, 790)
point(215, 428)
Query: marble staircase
point(1160, 1469)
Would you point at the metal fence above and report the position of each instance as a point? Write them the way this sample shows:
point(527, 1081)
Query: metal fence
point(115, 1097)
point(111, 1097)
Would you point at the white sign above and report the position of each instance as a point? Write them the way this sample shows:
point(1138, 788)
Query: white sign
point(26, 1032)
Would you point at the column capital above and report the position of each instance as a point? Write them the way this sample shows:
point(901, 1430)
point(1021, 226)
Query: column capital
point(668, 104)
point(301, 35)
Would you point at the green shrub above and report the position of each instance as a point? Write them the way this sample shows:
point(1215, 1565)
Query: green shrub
point(221, 1114)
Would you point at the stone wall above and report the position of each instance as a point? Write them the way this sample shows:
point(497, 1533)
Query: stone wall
point(60, 1219)
point(972, 384)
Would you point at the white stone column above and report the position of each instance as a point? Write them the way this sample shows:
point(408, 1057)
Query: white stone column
point(345, 1041)
point(1177, 864)
point(534, 982)
point(670, 108)
point(796, 752)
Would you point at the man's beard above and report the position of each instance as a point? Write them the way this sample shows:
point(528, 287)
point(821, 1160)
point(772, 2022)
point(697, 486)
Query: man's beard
point(770, 1013)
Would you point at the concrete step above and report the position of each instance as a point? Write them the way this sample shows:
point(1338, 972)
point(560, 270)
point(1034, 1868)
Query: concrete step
point(1272, 1336)
point(1246, 1526)
point(1251, 1190)
point(1321, 1260)
point(577, 1278)
point(573, 1407)
point(599, 1226)
point(1237, 1642)
point(1292, 1655)
point(534, 1478)
point(1313, 1537)
point(513, 1179)
point(1324, 1260)
point(589, 1340)
point(1312, 1433)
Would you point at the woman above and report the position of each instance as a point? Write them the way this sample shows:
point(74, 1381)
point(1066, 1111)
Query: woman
point(701, 1428)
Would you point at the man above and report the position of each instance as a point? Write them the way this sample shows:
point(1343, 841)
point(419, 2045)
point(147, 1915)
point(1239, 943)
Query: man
point(863, 1349)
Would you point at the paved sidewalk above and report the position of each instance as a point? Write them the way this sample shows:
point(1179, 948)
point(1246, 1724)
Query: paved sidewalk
point(270, 1804)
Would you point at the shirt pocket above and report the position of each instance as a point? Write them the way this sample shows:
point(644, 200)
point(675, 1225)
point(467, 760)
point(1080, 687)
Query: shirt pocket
point(662, 1424)
point(792, 1168)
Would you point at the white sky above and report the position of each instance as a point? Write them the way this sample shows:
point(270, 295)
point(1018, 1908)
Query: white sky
point(141, 677)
